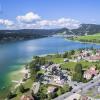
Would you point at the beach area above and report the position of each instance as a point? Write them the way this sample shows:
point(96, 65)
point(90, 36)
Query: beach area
point(13, 79)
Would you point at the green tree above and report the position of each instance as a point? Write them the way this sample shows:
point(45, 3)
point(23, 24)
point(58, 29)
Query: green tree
point(59, 92)
point(65, 55)
point(78, 68)
point(21, 88)
point(10, 95)
point(72, 52)
point(78, 75)
point(41, 95)
point(94, 51)
point(66, 87)
point(52, 95)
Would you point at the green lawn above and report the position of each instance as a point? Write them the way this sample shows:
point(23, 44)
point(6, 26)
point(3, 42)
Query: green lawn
point(57, 60)
point(71, 65)
point(89, 38)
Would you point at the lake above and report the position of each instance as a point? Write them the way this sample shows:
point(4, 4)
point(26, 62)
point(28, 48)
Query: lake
point(15, 54)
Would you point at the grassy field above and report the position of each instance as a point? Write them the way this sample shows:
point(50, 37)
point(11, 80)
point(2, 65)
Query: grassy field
point(89, 38)
point(71, 65)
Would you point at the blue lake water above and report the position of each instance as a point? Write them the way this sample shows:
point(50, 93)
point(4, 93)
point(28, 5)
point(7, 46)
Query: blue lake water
point(12, 55)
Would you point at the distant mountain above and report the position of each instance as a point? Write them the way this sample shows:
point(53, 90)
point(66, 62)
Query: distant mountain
point(13, 35)
point(23, 34)
point(88, 29)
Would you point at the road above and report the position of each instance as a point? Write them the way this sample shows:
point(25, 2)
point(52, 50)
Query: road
point(78, 89)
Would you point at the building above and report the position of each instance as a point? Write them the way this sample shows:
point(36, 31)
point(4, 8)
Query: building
point(58, 80)
point(90, 73)
point(94, 58)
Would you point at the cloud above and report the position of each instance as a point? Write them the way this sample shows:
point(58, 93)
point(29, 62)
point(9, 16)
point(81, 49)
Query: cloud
point(32, 20)
point(28, 18)
point(6, 22)
point(62, 22)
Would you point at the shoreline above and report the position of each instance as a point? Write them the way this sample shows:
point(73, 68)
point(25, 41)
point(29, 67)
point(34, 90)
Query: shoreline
point(16, 75)
point(19, 74)
point(82, 42)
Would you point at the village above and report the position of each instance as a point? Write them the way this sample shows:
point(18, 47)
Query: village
point(55, 76)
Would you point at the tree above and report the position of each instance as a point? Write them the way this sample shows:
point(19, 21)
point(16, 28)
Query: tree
point(32, 64)
point(52, 95)
point(62, 90)
point(78, 68)
point(65, 55)
point(77, 76)
point(59, 92)
point(94, 51)
point(72, 52)
point(41, 95)
point(10, 95)
point(66, 87)
point(57, 55)
point(42, 61)
point(21, 88)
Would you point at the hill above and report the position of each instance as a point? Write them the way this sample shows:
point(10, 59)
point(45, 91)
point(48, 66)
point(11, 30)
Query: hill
point(88, 29)
point(13, 35)
point(23, 34)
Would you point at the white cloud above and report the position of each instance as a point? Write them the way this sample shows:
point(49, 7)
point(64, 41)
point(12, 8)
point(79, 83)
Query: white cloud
point(62, 22)
point(32, 20)
point(6, 22)
point(28, 18)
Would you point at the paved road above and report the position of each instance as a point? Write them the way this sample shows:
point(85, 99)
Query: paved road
point(78, 89)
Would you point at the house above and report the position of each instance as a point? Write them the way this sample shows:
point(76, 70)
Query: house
point(53, 66)
point(58, 80)
point(90, 73)
point(94, 58)
point(51, 89)
point(25, 97)
point(54, 75)
point(84, 54)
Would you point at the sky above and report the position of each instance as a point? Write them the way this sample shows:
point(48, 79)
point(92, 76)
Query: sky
point(19, 14)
